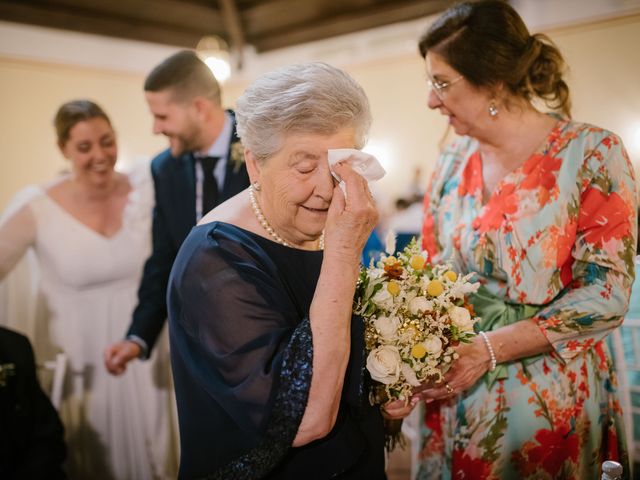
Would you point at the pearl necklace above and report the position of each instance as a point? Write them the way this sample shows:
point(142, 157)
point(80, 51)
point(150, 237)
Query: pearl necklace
point(265, 224)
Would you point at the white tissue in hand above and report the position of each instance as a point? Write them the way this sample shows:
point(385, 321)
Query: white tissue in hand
point(362, 163)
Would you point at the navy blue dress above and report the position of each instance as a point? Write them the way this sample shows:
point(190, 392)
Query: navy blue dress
point(241, 352)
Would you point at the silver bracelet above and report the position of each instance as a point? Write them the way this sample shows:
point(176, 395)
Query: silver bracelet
point(491, 352)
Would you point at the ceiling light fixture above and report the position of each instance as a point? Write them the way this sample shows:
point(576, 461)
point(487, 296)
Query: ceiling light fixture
point(214, 51)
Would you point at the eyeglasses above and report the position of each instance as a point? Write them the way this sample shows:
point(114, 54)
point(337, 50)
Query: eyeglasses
point(440, 87)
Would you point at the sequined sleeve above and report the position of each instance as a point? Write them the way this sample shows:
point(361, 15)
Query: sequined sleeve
point(288, 408)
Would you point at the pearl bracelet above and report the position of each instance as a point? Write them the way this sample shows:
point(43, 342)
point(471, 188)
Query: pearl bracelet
point(492, 354)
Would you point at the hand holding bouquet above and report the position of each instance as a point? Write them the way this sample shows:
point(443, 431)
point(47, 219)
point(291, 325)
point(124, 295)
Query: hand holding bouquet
point(414, 314)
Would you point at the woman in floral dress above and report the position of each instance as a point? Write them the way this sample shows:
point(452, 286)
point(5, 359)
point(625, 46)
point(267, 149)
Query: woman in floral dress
point(543, 210)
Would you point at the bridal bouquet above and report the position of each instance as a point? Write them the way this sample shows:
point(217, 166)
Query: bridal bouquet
point(414, 314)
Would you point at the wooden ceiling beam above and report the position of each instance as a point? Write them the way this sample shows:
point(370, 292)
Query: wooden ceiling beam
point(267, 25)
point(114, 26)
point(349, 22)
point(277, 15)
point(232, 21)
point(181, 14)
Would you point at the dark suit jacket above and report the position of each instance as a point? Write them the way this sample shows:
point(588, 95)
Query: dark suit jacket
point(31, 434)
point(173, 217)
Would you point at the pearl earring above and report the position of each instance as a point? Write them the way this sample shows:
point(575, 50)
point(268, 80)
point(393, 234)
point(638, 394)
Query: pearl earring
point(493, 110)
point(256, 186)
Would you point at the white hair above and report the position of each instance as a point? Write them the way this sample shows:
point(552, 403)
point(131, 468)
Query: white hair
point(303, 98)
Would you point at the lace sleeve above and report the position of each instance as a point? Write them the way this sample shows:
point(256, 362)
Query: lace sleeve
point(21, 303)
point(17, 231)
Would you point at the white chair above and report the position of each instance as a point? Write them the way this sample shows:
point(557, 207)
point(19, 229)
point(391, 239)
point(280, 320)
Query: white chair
point(54, 384)
point(411, 430)
point(624, 367)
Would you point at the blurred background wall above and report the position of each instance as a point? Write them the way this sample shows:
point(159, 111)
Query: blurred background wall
point(40, 68)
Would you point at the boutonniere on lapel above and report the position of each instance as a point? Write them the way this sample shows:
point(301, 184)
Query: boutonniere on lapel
point(236, 156)
point(6, 370)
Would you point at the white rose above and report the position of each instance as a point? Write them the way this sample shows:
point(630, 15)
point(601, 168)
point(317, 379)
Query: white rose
point(420, 304)
point(461, 318)
point(387, 327)
point(409, 375)
point(376, 273)
point(383, 299)
point(384, 363)
point(433, 345)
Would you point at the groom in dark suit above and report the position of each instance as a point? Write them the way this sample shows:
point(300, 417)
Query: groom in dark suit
point(203, 166)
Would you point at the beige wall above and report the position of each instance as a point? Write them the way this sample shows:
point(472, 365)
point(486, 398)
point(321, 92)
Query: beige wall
point(604, 61)
point(605, 68)
point(31, 92)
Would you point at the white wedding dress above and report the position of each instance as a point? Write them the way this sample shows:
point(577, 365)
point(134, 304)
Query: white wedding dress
point(116, 427)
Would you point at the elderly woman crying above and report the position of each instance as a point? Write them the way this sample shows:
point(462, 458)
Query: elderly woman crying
point(266, 358)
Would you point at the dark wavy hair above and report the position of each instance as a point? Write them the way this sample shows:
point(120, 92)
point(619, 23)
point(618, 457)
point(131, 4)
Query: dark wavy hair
point(488, 43)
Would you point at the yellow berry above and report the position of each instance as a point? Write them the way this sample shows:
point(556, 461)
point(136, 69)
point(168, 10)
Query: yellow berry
point(393, 288)
point(418, 350)
point(417, 262)
point(435, 288)
point(391, 260)
point(450, 275)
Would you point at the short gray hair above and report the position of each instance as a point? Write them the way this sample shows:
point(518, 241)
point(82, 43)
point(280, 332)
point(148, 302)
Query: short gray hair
point(303, 98)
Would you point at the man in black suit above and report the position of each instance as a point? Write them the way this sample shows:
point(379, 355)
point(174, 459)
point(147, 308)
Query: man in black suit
point(31, 434)
point(203, 166)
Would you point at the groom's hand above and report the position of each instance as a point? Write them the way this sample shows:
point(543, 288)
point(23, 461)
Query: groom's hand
point(118, 355)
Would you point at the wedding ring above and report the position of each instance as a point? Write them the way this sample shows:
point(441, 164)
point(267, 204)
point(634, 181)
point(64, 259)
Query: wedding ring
point(449, 388)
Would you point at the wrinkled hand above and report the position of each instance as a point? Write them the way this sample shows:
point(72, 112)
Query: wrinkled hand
point(473, 362)
point(398, 409)
point(350, 220)
point(118, 355)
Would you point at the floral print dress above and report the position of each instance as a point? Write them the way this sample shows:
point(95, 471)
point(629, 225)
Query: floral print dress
point(557, 234)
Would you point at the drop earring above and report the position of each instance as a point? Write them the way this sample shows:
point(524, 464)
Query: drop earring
point(493, 110)
point(256, 186)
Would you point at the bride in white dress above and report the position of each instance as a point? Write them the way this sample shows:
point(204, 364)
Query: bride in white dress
point(90, 233)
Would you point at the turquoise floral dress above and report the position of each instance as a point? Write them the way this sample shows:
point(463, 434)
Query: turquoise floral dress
point(555, 242)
